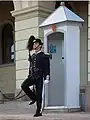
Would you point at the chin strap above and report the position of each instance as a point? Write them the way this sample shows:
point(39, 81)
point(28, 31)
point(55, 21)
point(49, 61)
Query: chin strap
point(36, 47)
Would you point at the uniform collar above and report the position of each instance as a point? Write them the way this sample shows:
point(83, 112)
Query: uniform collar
point(38, 52)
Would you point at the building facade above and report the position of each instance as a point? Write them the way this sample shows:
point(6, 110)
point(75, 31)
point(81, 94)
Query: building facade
point(19, 20)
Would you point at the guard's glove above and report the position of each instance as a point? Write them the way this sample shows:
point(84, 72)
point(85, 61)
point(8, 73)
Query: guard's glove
point(47, 79)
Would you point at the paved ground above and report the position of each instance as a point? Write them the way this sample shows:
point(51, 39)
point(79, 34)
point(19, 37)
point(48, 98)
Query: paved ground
point(22, 111)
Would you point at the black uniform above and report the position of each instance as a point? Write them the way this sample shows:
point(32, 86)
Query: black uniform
point(39, 68)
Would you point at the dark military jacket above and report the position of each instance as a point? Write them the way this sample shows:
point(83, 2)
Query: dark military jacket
point(39, 64)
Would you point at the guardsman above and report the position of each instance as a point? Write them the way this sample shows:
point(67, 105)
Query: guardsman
point(39, 69)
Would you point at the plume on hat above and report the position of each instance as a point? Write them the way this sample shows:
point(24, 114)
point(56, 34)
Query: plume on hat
point(30, 42)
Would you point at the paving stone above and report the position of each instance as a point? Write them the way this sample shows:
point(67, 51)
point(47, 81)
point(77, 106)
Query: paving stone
point(22, 111)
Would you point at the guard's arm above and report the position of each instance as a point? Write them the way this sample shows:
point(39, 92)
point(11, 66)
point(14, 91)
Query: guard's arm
point(46, 66)
point(29, 59)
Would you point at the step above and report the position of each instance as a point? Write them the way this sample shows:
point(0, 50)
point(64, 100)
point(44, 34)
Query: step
point(61, 110)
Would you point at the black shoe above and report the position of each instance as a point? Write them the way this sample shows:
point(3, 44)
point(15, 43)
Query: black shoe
point(32, 102)
point(37, 114)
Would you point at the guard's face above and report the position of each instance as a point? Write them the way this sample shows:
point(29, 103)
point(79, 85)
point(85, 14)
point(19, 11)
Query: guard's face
point(36, 45)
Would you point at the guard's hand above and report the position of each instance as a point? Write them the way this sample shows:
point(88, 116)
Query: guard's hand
point(47, 77)
point(46, 81)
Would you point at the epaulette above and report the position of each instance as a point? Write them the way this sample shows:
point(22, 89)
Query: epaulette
point(49, 55)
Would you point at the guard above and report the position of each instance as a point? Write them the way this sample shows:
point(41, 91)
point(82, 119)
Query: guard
point(39, 69)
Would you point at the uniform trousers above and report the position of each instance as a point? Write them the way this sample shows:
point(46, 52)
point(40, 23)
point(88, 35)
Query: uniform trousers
point(34, 96)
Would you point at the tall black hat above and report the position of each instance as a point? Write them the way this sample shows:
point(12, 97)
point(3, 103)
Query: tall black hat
point(38, 41)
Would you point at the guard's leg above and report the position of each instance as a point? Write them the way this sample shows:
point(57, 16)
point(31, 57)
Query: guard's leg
point(39, 86)
point(25, 87)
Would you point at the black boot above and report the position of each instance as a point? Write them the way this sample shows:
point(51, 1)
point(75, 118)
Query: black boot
point(32, 102)
point(38, 113)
